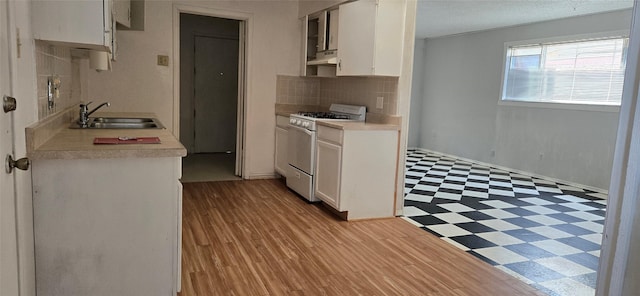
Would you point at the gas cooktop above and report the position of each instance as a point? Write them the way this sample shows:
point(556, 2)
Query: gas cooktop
point(324, 115)
point(307, 120)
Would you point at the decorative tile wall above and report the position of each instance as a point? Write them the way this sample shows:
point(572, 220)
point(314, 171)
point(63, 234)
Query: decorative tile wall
point(344, 90)
point(295, 90)
point(361, 91)
point(56, 61)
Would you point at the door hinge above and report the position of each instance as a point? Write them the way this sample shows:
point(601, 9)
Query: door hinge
point(18, 43)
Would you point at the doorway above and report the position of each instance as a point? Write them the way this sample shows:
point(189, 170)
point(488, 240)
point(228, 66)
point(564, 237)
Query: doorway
point(211, 60)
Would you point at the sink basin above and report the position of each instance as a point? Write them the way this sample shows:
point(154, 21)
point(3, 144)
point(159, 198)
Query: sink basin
point(120, 123)
point(121, 120)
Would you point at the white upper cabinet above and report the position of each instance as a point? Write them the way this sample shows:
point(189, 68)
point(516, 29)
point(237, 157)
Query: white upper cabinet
point(370, 38)
point(78, 24)
point(360, 38)
point(122, 12)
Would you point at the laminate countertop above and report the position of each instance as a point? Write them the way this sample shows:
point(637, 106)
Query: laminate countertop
point(351, 125)
point(357, 125)
point(66, 143)
point(284, 113)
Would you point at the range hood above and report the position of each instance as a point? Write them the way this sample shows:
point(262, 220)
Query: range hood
point(327, 57)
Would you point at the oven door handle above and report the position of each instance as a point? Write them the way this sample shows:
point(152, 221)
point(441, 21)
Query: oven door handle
point(306, 131)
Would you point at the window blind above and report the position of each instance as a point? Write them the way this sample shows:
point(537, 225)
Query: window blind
point(581, 72)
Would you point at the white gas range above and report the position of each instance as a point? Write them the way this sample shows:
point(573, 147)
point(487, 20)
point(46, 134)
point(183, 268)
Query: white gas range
point(302, 144)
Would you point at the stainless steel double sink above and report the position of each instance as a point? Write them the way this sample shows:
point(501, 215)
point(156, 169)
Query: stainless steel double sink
point(120, 123)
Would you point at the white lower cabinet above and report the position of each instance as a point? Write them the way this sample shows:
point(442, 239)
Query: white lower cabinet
point(356, 171)
point(107, 226)
point(282, 141)
point(328, 173)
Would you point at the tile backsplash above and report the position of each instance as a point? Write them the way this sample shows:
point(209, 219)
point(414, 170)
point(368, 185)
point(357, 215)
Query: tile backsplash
point(57, 61)
point(295, 90)
point(361, 91)
point(344, 90)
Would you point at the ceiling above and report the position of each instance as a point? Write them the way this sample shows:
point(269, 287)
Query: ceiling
point(438, 18)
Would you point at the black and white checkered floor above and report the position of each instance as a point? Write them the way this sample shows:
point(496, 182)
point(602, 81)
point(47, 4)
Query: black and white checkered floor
point(545, 233)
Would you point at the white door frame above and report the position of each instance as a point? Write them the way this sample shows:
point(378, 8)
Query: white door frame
point(244, 72)
point(23, 76)
point(618, 246)
point(9, 266)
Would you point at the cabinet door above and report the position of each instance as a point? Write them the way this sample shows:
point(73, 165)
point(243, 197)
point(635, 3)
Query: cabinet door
point(333, 24)
point(356, 36)
point(304, 53)
point(328, 173)
point(281, 151)
point(122, 12)
point(322, 31)
point(85, 24)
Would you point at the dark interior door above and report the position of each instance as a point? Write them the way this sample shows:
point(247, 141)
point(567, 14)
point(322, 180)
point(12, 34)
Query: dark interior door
point(215, 94)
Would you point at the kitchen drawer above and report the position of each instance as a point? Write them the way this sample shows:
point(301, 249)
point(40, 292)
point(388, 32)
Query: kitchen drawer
point(330, 134)
point(282, 121)
point(300, 182)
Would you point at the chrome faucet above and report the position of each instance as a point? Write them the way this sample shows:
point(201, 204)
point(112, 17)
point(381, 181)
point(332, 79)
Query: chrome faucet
point(83, 121)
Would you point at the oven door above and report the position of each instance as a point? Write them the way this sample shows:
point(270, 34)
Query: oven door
point(302, 148)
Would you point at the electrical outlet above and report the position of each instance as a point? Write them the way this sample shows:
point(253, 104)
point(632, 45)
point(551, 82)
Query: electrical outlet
point(163, 60)
point(380, 102)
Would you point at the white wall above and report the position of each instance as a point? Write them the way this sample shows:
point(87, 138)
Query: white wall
point(461, 116)
point(632, 272)
point(138, 84)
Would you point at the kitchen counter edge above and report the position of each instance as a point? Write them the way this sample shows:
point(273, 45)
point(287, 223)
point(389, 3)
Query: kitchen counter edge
point(358, 125)
point(65, 143)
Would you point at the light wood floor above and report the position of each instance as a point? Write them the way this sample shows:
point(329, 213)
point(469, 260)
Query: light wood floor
point(258, 238)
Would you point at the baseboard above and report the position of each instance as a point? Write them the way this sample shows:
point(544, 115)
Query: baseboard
point(261, 176)
point(574, 184)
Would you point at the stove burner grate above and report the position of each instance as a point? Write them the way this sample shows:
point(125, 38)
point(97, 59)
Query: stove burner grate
point(324, 115)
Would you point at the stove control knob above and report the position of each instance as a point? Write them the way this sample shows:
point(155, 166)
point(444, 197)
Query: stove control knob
point(292, 121)
point(298, 122)
point(305, 124)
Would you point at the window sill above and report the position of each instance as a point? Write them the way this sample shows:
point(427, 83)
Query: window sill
point(561, 106)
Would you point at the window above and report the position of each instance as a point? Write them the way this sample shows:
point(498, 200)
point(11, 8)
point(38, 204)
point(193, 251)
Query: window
point(574, 72)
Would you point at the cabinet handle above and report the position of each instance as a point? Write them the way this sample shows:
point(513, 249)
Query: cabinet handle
point(340, 65)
